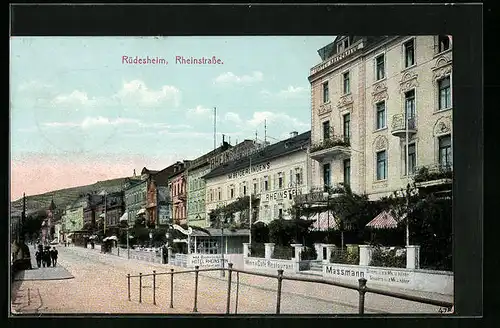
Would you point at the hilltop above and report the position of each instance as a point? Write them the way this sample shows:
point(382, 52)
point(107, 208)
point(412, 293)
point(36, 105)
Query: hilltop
point(67, 196)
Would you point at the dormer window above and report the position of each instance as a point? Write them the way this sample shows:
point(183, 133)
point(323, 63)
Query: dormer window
point(444, 43)
point(346, 43)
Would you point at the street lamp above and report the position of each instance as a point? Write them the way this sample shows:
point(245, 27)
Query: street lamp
point(222, 222)
point(326, 194)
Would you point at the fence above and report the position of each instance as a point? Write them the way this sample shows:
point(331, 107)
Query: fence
point(361, 288)
point(283, 252)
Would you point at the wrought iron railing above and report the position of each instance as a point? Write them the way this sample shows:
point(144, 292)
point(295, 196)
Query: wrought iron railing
point(361, 288)
point(398, 122)
point(331, 142)
point(335, 188)
point(433, 172)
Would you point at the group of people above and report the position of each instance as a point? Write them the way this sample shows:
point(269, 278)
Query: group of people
point(45, 256)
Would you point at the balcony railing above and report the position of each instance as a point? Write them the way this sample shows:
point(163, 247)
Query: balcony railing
point(433, 172)
point(331, 147)
point(317, 193)
point(399, 125)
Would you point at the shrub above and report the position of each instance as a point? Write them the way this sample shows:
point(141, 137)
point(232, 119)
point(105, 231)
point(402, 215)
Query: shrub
point(257, 250)
point(309, 253)
point(388, 259)
point(342, 256)
point(282, 252)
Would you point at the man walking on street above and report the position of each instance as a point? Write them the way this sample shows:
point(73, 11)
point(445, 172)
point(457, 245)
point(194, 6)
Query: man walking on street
point(38, 257)
point(53, 255)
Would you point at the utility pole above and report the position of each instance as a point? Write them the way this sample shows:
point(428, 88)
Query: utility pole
point(265, 132)
point(215, 128)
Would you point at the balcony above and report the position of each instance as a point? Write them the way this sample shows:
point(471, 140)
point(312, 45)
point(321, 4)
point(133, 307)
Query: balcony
point(399, 128)
point(320, 194)
point(433, 175)
point(333, 147)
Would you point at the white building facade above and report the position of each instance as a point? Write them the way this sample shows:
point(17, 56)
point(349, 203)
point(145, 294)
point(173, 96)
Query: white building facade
point(363, 92)
point(277, 173)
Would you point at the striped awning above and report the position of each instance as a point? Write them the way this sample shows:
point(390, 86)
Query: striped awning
point(324, 220)
point(383, 221)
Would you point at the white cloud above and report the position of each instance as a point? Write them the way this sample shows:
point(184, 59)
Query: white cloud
point(136, 92)
point(89, 122)
point(231, 78)
point(282, 119)
point(74, 98)
point(199, 111)
point(232, 117)
point(290, 92)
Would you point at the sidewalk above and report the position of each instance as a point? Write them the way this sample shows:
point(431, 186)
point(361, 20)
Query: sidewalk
point(42, 273)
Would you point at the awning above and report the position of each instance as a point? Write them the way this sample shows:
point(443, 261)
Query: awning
point(141, 211)
point(324, 221)
point(124, 217)
point(383, 221)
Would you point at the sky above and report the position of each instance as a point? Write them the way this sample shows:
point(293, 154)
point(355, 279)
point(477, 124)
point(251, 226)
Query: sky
point(81, 113)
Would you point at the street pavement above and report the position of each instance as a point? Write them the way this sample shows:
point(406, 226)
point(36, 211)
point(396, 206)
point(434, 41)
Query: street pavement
point(43, 273)
point(100, 286)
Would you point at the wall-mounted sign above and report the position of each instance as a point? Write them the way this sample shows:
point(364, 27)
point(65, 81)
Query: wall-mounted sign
point(163, 214)
point(255, 169)
point(282, 194)
point(269, 264)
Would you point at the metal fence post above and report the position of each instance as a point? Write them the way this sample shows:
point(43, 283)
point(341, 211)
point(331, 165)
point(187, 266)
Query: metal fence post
point(229, 275)
point(128, 283)
point(154, 287)
point(140, 287)
point(195, 307)
point(171, 288)
point(29, 297)
point(237, 292)
point(362, 291)
point(278, 296)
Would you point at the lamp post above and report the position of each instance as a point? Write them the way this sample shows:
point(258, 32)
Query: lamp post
point(128, 242)
point(223, 274)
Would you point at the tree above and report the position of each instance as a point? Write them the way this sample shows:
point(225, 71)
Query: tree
point(33, 223)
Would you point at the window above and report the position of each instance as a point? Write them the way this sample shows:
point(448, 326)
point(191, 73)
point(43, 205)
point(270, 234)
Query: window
point(244, 190)
point(410, 105)
point(255, 188)
point(444, 93)
point(346, 43)
point(211, 196)
point(298, 178)
point(339, 48)
point(220, 196)
point(266, 185)
point(326, 130)
point(232, 193)
point(409, 49)
point(380, 67)
point(381, 165)
point(443, 43)
point(280, 182)
point(326, 175)
point(326, 96)
point(280, 213)
point(381, 115)
point(347, 126)
point(347, 172)
point(445, 151)
point(346, 83)
point(412, 158)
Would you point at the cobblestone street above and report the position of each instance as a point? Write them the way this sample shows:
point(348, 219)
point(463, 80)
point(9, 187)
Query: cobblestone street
point(100, 286)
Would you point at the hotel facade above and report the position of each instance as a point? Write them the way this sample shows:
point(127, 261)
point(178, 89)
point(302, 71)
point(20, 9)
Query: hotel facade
point(273, 175)
point(362, 95)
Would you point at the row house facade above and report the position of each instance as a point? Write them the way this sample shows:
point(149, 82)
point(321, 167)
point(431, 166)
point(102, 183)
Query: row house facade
point(73, 216)
point(157, 204)
point(198, 168)
point(381, 110)
point(178, 192)
point(273, 176)
point(135, 198)
point(111, 208)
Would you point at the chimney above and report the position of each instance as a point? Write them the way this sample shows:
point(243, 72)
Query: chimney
point(293, 134)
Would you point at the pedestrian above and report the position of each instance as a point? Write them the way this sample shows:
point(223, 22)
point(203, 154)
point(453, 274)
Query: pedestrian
point(38, 257)
point(46, 256)
point(53, 255)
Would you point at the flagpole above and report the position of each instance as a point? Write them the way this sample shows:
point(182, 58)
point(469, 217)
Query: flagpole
point(407, 119)
point(250, 202)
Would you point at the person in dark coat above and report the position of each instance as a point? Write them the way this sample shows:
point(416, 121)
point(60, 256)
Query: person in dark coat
point(46, 256)
point(53, 255)
point(38, 257)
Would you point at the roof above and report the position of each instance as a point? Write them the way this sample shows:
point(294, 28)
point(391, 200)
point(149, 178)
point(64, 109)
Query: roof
point(273, 151)
point(161, 177)
point(218, 232)
point(145, 170)
point(383, 221)
point(204, 159)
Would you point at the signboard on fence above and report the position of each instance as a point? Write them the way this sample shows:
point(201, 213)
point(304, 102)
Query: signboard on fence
point(350, 272)
point(204, 260)
point(254, 263)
